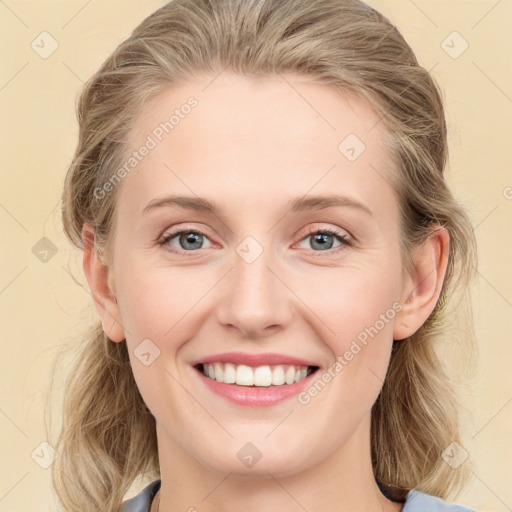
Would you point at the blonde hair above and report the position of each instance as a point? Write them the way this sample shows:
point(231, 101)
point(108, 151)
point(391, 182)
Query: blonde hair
point(108, 435)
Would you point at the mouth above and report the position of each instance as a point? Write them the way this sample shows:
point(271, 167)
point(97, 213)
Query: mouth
point(255, 376)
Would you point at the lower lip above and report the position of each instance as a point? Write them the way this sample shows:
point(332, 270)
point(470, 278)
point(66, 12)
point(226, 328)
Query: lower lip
point(254, 396)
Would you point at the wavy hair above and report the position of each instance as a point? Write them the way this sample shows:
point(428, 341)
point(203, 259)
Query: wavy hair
point(108, 435)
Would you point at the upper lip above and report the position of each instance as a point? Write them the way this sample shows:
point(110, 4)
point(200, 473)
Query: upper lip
point(253, 359)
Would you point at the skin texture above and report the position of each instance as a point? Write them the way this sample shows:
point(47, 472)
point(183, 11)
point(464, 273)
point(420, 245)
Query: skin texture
point(251, 146)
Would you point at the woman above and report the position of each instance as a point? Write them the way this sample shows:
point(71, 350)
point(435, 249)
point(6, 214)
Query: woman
point(272, 250)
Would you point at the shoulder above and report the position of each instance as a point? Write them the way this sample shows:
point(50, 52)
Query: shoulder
point(420, 502)
point(416, 502)
point(142, 501)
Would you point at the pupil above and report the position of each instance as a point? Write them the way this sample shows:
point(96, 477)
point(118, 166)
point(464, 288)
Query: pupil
point(193, 238)
point(321, 238)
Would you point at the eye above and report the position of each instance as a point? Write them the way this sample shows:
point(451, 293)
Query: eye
point(185, 241)
point(322, 239)
point(188, 240)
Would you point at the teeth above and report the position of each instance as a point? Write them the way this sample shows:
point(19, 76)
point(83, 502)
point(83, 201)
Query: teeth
point(218, 372)
point(262, 376)
point(303, 373)
point(290, 375)
point(278, 376)
point(229, 376)
point(244, 375)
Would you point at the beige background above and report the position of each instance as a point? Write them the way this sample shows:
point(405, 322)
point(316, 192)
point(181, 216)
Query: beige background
point(41, 306)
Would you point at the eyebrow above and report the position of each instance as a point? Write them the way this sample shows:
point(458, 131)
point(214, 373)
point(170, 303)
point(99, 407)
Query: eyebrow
point(318, 202)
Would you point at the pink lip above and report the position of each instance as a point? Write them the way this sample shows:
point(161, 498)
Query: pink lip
point(253, 359)
point(254, 396)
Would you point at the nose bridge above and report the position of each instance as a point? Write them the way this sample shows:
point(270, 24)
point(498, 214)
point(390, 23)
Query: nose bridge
point(254, 298)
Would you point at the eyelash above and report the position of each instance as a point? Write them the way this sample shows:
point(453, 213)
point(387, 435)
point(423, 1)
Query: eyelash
point(345, 241)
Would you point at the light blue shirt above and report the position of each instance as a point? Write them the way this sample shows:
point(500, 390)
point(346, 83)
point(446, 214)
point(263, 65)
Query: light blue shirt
point(416, 502)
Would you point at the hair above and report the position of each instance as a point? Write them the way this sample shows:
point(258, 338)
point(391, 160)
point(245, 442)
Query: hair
point(108, 435)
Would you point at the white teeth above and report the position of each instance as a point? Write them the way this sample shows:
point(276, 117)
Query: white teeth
point(218, 371)
point(261, 376)
point(290, 375)
point(278, 376)
point(244, 375)
point(229, 373)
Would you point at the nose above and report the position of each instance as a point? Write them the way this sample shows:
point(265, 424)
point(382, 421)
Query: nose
point(255, 301)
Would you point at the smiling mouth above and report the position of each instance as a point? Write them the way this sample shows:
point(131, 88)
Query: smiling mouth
point(260, 376)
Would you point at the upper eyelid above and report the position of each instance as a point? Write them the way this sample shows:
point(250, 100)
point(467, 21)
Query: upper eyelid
point(338, 233)
point(334, 231)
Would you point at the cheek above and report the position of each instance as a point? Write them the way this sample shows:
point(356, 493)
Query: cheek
point(352, 298)
point(156, 299)
point(357, 307)
point(162, 302)
point(157, 307)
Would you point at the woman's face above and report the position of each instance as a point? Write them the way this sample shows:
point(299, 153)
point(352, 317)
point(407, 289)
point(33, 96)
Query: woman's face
point(257, 281)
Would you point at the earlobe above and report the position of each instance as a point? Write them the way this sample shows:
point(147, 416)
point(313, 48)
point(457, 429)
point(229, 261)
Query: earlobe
point(423, 284)
point(97, 274)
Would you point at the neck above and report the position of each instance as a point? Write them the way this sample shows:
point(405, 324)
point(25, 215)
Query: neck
point(342, 482)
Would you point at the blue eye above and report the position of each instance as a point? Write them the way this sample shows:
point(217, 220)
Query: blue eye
point(186, 237)
point(322, 238)
point(191, 240)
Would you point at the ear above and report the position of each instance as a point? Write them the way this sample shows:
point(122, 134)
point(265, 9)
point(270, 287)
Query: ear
point(422, 286)
point(97, 273)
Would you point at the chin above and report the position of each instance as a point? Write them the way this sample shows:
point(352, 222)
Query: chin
point(267, 466)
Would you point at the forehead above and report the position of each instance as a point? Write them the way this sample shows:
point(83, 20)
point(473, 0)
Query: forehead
point(245, 137)
point(234, 105)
